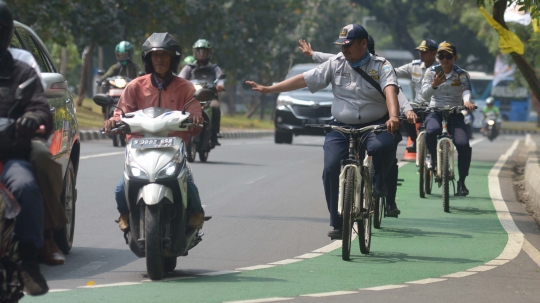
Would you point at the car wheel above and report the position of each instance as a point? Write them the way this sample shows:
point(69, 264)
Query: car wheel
point(287, 138)
point(64, 237)
point(278, 137)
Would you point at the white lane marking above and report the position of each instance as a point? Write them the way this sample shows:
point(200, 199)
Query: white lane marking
point(262, 300)
point(329, 294)
point(58, 290)
point(460, 274)
point(111, 285)
point(515, 236)
point(532, 252)
point(286, 261)
point(400, 164)
point(218, 273)
point(168, 279)
point(255, 267)
point(328, 248)
point(385, 287)
point(426, 281)
point(102, 155)
point(482, 268)
point(497, 262)
point(308, 256)
point(253, 181)
point(473, 142)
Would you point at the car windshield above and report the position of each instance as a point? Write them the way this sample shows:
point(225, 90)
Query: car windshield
point(304, 68)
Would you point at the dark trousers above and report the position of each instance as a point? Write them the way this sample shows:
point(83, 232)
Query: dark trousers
point(194, 200)
point(411, 130)
point(18, 177)
point(391, 178)
point(336, 148)
point(457, 128)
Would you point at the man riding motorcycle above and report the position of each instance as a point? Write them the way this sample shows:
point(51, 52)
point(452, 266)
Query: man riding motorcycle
point(161, 55)
point(123, 67)
point(203, 69)
point(489, 110)
point(17, 174)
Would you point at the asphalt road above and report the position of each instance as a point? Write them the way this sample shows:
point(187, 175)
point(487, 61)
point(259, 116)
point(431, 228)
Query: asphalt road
point(268, 205)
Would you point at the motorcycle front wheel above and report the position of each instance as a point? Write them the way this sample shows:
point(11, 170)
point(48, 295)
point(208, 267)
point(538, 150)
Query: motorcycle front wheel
point(191, 149)
point(155, 266)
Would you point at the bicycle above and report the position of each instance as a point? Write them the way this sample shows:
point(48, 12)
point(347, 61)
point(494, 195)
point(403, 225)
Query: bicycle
point(355, 202)
point(426, 175)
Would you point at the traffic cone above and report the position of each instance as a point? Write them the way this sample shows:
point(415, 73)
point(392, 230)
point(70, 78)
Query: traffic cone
point(410, 156)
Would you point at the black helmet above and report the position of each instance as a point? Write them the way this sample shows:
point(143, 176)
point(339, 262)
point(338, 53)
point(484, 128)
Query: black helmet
point(371, 44)
point(161, 41)
point(6, 27)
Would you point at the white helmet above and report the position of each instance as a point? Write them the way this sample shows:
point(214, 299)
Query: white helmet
point(490, 100)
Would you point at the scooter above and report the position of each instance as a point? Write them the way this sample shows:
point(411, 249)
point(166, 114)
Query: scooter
point(202, 143)
point(155, 177)
point(492, 129)
point(114, 87)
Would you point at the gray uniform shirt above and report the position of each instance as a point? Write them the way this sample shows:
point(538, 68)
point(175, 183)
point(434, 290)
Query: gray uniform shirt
point(404, 105)
point(450, 92)
point(355, 100)
point(414, 71)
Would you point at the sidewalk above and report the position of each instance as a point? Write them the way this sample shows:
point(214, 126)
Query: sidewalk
point(94, 134)
point(532, 169)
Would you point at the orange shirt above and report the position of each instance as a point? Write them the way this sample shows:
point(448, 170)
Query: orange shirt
point(141, 94)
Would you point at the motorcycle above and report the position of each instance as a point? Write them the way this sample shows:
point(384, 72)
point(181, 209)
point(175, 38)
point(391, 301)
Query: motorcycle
point(492, 128)
point(202, 143)
point(114, 87)
point(155, 177)
point(11, 285)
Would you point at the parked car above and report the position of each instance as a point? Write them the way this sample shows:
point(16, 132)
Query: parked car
point(297, 108)
point(65, 140)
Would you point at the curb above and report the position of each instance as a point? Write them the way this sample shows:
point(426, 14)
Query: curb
point(91, 135)
point(532, 171)
point(518, 131)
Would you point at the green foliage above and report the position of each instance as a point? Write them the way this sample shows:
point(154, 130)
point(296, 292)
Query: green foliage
point(531, 5)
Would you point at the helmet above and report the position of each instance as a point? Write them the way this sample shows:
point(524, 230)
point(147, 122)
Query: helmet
point(188, 60)
point(124, 52)
point(490, 100)
point(371, 45)
point(6, 27)
point(202, 44)
point(161, 41)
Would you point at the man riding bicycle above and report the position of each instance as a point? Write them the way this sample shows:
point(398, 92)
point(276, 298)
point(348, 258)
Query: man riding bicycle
point(356, 103)
point(451, 86)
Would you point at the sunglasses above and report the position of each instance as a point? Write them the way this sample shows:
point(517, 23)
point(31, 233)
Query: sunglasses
point(447, 57)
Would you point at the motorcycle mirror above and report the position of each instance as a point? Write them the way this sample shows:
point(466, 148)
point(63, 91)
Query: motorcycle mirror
point(103, 100)
point(26, 89)
point(204, 95)
point(100, 72)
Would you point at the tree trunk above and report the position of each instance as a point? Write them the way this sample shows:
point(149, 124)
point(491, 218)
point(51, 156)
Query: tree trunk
point(523, 65)
point(100, 57)
point(87, 57)
point(254, 105)
point(63, 61)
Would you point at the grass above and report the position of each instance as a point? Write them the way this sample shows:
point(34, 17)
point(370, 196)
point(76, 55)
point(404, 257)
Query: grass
point(89, 117)
point(510, 125)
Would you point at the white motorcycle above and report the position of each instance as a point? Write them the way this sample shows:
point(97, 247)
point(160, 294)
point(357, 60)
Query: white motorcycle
point(155, 177)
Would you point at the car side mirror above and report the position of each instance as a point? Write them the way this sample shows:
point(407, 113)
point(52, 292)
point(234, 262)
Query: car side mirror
point(26, 89)
point(204, 94)
point(103, 100)
point(55, 85)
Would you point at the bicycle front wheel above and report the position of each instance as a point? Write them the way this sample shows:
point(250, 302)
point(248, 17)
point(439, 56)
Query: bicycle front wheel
point(364, 225)
point(445, 175)
point(347, 214)
point(421, 148)
point(378, 211)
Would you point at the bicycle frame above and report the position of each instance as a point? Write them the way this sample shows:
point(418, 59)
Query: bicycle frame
point(445, 138)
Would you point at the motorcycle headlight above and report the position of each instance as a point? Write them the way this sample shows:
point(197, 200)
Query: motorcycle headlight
point(170, 169)
point(134, 170)
point(120, 83)
point(198, 86)
point(491, 122)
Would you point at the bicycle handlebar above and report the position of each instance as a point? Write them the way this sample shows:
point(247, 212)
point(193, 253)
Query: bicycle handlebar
point(349, 130)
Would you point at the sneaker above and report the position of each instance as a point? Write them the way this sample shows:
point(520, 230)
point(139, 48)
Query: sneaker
point(412, 148)
point(392, 211)
point(336, 233)
point(462, 189)
point(430, 164)
point(33, 281)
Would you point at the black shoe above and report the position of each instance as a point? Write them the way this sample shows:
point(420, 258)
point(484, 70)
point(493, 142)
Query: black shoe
point(216, 143)
point(412, 148)
point(336, 234)
point(462, 189)
point(392, 211)
point(379, 190)
point(33, 281)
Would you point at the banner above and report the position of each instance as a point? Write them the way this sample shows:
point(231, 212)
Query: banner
point(508, 42)
point(502, 70)
point(513, 14)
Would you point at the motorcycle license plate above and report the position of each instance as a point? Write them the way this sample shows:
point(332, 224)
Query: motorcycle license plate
point(115, 92)
point(153, 142)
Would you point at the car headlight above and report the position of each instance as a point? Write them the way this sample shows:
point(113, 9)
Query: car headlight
point(134, 170)
point(284, 101)
point(170, 169)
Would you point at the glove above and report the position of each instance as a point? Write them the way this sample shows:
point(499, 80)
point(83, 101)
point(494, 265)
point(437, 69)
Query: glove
point(27, 125)
point(99, 82)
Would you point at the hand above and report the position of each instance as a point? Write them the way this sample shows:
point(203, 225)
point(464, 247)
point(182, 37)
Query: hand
point(220, 88)
point(469, 106)
point(108, 125)
point(257, 87)
point(27, 125)
point(305, 48)
point(99, 82)
point(392, 125)
point(197, 122)
point(438, 80)
point(411, 117)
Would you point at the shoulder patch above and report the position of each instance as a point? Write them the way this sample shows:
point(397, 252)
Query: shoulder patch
point(322, 65)
point(416, 62)
point(458, 70)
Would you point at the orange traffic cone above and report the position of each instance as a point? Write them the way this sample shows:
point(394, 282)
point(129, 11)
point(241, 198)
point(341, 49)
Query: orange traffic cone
point(410, 156)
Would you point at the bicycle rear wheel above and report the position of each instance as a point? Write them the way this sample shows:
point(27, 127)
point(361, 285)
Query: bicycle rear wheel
point(445, 175)
point(378, 211)
point(347, 214)
point(421, 148)
point(364, 225)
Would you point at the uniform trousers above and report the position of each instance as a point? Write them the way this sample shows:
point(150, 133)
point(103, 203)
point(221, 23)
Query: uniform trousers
point(336, 148)
point(458, 129)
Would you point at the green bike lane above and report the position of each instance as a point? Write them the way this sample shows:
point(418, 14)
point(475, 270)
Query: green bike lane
point(424, 242)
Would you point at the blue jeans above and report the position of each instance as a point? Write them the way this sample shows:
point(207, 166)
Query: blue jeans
point(193, 205)
point(336, 148)
point(18, 177)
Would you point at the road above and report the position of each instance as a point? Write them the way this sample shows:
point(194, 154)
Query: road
point(267, 238)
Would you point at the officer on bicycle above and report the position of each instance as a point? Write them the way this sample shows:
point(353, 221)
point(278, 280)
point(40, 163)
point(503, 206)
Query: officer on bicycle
point(415, 71)
point(357, 103)
point(451, 87)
